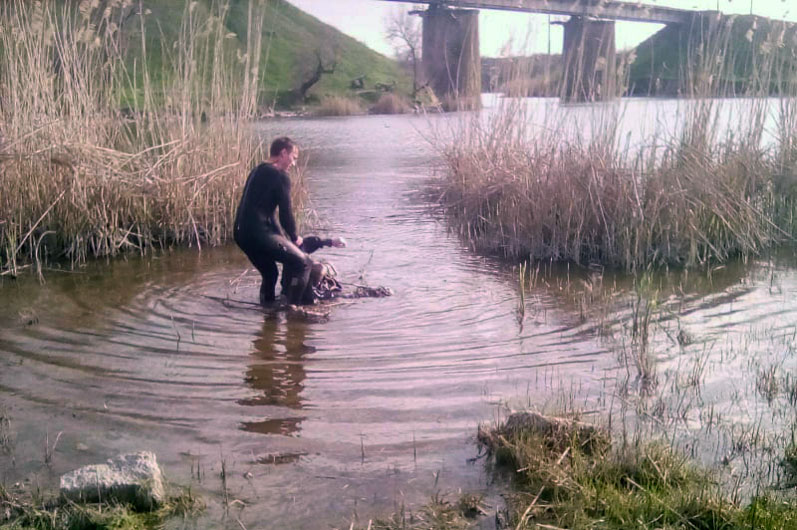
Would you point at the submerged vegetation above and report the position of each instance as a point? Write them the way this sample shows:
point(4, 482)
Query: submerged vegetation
point(584, 192)
point(83, 178)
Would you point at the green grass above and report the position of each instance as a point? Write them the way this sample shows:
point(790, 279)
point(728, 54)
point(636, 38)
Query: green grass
point(18, 513)
point(645, 486)
point(440, 513)
point(290, 40)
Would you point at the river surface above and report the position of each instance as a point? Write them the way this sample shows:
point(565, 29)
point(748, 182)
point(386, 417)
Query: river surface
point(319, 424)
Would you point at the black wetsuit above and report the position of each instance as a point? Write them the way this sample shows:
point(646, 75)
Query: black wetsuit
point(261, 237)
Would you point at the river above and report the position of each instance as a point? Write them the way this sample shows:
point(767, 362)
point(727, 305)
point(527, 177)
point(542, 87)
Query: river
point(323, 423)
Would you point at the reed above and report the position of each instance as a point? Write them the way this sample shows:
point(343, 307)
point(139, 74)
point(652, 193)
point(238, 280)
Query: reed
point(576, 191)
point(83, 178)
point(390, 103)
point(338, 106)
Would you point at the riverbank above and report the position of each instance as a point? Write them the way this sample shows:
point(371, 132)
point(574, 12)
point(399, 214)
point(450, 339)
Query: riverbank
point(31, 510)
point(567, 477)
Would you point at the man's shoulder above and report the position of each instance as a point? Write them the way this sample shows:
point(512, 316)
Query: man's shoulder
point(265, 172)
point(265, 168)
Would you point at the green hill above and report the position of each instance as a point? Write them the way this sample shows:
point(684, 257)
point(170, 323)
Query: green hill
point(716, 55)
point(293, 43)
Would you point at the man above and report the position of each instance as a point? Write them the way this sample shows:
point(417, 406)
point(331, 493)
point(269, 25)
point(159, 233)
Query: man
point(264, 240)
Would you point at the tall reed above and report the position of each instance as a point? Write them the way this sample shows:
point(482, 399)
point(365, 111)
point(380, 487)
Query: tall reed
point(574, 191)
point(81, 177)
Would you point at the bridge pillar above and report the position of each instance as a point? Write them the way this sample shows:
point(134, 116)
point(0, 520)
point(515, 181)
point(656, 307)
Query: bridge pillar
point(450, 56)
point(589, 60)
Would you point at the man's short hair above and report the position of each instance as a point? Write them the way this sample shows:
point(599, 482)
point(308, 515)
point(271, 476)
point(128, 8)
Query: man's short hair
point(279, 144)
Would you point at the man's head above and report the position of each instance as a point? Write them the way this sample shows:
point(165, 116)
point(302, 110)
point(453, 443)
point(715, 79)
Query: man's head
point(283, 153)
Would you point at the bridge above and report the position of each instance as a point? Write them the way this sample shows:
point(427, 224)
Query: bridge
point(450, 50)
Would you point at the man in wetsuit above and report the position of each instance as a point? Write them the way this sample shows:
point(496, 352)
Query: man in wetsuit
point(264, 240)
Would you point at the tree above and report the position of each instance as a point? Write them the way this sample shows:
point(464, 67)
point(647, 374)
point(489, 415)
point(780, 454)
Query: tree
point(404, 31)
point(322, 67)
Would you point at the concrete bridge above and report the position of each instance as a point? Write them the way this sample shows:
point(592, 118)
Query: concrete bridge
point(452, 63)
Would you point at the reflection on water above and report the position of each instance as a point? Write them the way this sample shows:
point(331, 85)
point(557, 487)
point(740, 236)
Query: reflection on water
point(276, 374)
point(379, 405)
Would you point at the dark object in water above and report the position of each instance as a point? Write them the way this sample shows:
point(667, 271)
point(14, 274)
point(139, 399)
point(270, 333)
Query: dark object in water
point(323, 277)
point(322, 283)
point(363, 291)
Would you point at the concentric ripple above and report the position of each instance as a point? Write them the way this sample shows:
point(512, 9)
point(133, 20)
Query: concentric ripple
point(315, 418)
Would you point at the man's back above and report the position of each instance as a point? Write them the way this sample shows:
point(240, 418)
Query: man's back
point(266, 189)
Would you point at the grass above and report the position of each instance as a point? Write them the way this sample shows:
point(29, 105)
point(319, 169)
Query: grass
point(338, 106)
point(578, 191)
point(390, 103)
point(83, 179)
point(440, 513)
point(21, 514)
point(558, 484)
point(294, 37)
point(697, 449)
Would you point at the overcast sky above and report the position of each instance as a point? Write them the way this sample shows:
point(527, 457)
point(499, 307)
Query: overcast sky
point(502, 31)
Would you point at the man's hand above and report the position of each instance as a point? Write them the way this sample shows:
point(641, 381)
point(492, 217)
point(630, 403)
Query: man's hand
point(298, 241)
point(338, 242)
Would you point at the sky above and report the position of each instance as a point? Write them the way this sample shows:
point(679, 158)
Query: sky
point(513, 33)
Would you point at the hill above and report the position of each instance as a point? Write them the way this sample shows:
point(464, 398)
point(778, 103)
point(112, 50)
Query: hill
point(294, 44)
point(716, 55)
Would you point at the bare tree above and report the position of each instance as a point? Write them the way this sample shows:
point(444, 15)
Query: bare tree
point(322, 67)
point(404, 31)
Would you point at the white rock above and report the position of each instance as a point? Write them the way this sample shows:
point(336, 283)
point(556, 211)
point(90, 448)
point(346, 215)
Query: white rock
point(132, 478)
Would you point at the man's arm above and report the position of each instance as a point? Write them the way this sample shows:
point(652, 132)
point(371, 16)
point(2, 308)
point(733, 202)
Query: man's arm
point(287, 220)
point(312, 243)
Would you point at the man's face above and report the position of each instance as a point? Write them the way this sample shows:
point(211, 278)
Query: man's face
point(287, 158)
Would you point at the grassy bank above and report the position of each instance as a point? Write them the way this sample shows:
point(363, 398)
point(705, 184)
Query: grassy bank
point(82, 178)
point(564, 481)
point(582, 191)
point(20, 513)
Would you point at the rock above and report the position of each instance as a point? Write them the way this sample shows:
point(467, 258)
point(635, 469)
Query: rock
point(132, 478)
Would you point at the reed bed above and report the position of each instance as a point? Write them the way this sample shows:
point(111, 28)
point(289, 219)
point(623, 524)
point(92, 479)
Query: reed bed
point(584, 203)
point(390, 103)
point(338, 106)
point(577, 191)
point(98, 154)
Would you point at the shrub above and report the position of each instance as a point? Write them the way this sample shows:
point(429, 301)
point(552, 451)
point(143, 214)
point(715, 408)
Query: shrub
point(390, 103)
point(338, 106)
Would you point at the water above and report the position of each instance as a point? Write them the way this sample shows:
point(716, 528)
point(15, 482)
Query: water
point(323, 423)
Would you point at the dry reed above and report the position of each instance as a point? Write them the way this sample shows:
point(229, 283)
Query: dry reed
point(338, 106)
point(391, 104)
point(80, 177)
point(688, 199)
